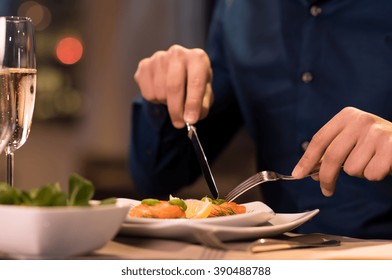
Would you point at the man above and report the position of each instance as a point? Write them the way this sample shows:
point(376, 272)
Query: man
point(299, 75)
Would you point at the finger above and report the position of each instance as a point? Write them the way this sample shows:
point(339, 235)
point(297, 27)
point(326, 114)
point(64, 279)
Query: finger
point(333, 158)
point(175, 92)
point(316, 176)
point(380, 165)
point(207, 101)
point(144, 79)
point(358, 159)
point(328, 179)
point(199, 75)
point(317, 147)
point(159, 60)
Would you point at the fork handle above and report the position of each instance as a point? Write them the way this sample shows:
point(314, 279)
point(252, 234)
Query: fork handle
point(317, 170)
point(313, 172)
point(290, 177)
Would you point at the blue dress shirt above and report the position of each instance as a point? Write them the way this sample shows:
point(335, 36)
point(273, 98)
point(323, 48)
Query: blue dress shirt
point(282, 69)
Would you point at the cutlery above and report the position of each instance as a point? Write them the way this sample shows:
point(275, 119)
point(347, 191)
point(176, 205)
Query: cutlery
point(202, 161)
point(268, 244)
point(257, 179)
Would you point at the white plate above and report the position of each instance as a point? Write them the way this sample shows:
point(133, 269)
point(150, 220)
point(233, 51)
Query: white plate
point(189, 232)
point(256, 213)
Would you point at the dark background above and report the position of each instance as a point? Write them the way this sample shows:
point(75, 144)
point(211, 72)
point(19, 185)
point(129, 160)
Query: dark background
point(82, 115)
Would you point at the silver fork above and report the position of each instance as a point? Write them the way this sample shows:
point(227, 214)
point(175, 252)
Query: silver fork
point(260, 178)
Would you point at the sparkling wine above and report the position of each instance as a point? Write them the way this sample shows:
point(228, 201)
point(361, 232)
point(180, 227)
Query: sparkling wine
point(22, 85)
point(5, 107)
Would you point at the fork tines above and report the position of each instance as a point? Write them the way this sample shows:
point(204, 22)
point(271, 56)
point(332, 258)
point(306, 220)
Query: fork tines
point(244, 186)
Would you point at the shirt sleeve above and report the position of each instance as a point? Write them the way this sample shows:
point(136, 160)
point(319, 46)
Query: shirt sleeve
point(160, 154)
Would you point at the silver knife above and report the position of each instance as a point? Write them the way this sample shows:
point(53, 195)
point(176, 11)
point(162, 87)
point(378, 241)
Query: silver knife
point(202, 160)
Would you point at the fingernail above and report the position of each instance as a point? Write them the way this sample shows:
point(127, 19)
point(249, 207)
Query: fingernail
point(297, 171)
point(190, 117)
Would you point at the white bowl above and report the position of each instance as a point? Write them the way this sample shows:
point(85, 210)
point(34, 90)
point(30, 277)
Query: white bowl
point(28, 232)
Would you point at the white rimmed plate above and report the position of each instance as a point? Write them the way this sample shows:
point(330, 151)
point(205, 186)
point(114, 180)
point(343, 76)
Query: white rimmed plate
point(189, 232)
point(256, 213)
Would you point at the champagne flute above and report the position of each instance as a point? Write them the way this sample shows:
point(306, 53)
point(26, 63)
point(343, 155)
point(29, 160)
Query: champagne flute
point(6, 108)
point(19, 60)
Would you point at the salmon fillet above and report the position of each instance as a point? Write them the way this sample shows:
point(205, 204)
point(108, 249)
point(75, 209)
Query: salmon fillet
point(163, 210)
point(226, 209)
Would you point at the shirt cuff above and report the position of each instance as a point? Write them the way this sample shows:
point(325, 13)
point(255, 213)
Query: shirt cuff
point(156, 114)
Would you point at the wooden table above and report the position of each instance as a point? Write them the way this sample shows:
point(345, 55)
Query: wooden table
point(129, 254)
point(124, 247)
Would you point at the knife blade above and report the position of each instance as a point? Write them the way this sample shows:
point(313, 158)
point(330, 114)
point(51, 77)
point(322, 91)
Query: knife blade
point(202, 161)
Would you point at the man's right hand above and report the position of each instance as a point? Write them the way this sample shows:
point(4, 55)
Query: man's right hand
point(180, 78)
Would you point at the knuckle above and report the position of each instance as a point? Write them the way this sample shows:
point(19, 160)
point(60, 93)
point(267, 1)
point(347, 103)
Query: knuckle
point(331, 156)
point(348, 114)
point(377, 131)
point(201, 56)
point(352, 170)
point(176, 51)
point(173, 85)
point(317, 138)
point(141, 68)
point(349, 110)
point(199, 53)
point(158, 57)
point(159, 54)
point(372, 174)
point(196, 82)
point(366, 120)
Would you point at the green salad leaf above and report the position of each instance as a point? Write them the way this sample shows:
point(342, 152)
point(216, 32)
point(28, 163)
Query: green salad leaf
point(80, 192)
point(47, 195)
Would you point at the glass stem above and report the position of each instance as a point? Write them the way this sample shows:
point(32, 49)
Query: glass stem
point(10, 168)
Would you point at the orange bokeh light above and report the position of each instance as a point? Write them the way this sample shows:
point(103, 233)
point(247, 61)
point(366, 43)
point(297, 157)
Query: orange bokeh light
point(69, 50)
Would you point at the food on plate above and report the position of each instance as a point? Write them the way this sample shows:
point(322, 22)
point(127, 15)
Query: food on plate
point(226, 209)
point(175, 208)
point(154, 208)
point(197, 209)
point(80, 192)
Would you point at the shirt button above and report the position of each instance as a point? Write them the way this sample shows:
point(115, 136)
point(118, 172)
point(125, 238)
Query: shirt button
point(307, 77)
point(315, 11)
point(304, 145)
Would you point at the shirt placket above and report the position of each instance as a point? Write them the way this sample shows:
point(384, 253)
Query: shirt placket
point(307, 74)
